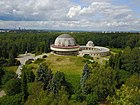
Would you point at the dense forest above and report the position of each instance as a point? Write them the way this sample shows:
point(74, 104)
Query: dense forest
point(12, 44)
point(115, 83)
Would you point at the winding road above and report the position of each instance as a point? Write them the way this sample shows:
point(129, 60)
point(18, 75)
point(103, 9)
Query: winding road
point(24, 57)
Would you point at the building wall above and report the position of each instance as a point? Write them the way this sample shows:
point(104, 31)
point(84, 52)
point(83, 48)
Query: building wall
point(94, 51)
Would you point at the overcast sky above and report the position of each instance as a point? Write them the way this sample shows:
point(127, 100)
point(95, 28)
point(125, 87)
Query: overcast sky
point(99, 15)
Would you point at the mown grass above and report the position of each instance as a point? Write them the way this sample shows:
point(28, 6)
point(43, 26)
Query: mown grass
point(11, 68)
point(71, 66)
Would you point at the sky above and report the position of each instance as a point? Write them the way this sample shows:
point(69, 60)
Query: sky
point(94, 15)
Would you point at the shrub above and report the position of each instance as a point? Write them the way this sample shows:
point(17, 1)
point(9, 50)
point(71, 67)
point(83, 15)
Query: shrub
point(12, 87)
point(44, 56)
point(39, 60)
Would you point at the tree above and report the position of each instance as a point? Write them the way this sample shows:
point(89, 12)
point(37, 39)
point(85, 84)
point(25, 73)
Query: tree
point(24, 87)
point(84, 77)
point(57, 81)
point(12, 87)
point(44, 74)
point(133, 40)
point(131, 60)
point(129, 93)
point(7, 76)
point(11, 100)
point(29, 74)
point(102, 82)
point(1, 75)
point(3, 62)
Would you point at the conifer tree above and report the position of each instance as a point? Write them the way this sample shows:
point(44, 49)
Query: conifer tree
point(24, 87)
point(44, 74)
point(84, 77)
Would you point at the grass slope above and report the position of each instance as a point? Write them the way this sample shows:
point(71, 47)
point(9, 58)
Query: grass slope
point(71, 66)
point(11, 68)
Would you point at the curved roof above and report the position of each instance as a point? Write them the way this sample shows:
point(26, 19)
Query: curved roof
point(64, 36)
point(65, 40)
point(90, 44)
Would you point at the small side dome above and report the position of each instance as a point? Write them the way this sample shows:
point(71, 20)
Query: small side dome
point(90, 44)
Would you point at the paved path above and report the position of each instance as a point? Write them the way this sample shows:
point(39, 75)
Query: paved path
point(24, 57)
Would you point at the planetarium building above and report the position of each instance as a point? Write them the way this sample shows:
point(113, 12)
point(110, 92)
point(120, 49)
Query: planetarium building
point(66, 45)
point(94, 51)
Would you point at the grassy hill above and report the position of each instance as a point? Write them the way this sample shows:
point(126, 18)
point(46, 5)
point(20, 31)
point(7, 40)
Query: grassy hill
point(71, 66)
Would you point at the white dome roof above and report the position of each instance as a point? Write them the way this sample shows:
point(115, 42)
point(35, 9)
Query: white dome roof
point(90, 44)
point(65, 40)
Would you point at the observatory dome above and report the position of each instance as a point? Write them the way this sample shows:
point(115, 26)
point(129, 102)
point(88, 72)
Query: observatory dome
point(90, 44)
point(65, 40)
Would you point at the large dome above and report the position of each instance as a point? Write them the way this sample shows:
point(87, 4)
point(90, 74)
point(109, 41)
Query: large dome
point(65, 45)
point(65, 40)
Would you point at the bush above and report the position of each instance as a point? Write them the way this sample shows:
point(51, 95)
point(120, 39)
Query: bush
point(28, 62)
point(3, 61)
point(12, 87)
point(11, 100)
point(7, 76)
point(39, 60)
point(88, 56)
point(17, 63)
point(44, 56)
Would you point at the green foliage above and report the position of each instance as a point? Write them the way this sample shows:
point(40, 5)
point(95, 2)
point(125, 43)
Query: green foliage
point(13, 43)
point(24, 87)
point(7, 76)
point(129, 93)
point(44, 56)
point(29, 74)
point(28, 62)
point(129, 60)
point(9, 62)
point(122, 76)
point(102, 82)
point(44, 74)
point(88, 56)
point(57, 81)
point(34, 88)
point(1, 75)
point(3, 62)
point(39, 60)
point(85, 75)
point(92, 99)
point(11, 100)
point(12, 87)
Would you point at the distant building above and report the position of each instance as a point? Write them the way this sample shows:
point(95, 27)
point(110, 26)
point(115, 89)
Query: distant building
point(66, 45)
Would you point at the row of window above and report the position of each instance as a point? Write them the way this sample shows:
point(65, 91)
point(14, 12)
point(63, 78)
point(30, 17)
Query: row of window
point(101, 54)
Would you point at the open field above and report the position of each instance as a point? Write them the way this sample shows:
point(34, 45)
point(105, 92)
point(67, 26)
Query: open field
point(71, 66)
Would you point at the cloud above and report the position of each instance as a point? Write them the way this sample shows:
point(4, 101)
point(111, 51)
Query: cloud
point(35, 9)
point(104, 8)
point(74, 11)
point(66, 14)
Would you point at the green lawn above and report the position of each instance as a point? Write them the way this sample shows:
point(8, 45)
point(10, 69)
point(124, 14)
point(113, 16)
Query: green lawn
point(71, 66)
point(11, 68)
point(115, 50)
